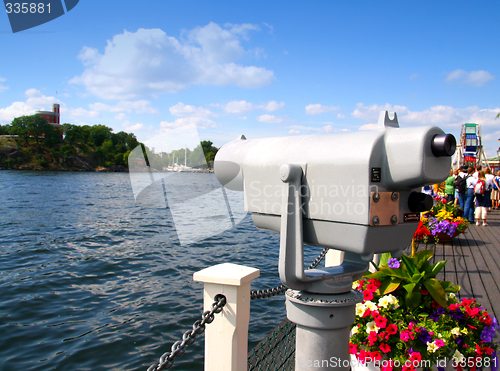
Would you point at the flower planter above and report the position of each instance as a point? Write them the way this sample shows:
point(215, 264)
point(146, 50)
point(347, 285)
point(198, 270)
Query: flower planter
point(443, 237)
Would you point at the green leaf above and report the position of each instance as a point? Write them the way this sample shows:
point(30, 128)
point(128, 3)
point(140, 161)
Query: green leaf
point(436, 290)
point(409, 287)
point(416, 278)
point(392, 272)
point(436, 268)
point(389, 286)
point(413, 301)
point(378, 275)
point(384, 259)
point(409, 265)
point(421, 257)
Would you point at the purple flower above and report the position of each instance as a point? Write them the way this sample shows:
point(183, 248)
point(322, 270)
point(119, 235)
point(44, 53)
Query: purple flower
point(424, 335)
point(393, 263)
point(494, 364)
point(457, 314)
point(436, 314)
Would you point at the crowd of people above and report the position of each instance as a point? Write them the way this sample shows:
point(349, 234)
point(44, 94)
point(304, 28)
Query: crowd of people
point(475, 191)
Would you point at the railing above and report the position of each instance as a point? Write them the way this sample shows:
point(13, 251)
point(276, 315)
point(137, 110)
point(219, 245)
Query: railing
point(226, 338)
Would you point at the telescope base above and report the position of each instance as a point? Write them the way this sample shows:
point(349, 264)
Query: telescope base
point(323, 326)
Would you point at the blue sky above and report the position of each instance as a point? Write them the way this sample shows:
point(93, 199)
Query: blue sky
point(259, 68)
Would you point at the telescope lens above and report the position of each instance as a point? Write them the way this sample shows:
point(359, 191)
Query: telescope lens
point(443, 145)
point(419, 202)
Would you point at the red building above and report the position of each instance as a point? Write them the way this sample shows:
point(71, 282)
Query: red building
point(53, 117)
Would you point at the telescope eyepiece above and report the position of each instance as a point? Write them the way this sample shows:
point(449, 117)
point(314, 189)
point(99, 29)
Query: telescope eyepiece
point(443, 145)
point(419, 202)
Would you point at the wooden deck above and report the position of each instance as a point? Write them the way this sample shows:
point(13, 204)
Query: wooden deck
point(474, 263)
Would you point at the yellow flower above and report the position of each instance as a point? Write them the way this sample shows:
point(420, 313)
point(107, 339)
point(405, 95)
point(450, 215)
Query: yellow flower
point(464, 331)
point(371, 305)
point(371, 326)
point(432, 347)
point(456, 331)
point(354, 330)
point(458, 357)
point(360, 309)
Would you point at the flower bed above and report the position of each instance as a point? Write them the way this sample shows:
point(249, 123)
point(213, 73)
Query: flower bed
point(443, 219)
point(408, 319)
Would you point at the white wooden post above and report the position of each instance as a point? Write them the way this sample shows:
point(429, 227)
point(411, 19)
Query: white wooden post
point(334, 258)
point(226, 339)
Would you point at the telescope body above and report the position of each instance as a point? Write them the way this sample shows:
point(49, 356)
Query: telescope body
point(355, 187)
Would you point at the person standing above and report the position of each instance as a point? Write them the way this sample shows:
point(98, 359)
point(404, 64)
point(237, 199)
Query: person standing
point(469, 197)
point(481, 198)
point(449, 187)
point(461, 186)
point(495, 193)
point(489, 186)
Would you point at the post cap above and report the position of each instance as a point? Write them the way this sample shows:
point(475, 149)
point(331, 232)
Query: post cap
point(227, 274)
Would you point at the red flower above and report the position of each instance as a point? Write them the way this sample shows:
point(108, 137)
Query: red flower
point(376, 282)
point(472, 311)
point(435, 304)
point(408, 367)
point(391, 329)
point(478, 350)
point(467, 302)
point(367, 295)
point(415, 358)
point(424, 292)
point(381, 322)
point(385, 348)
point(367, 312)
point(387, 366)
point(362, 355)
point(453, 306)
point(475, 328)
point(353, 348)
point(372, 338)
point(375, 356)
point(488, 350)
point(371, 287)
point(486, 319)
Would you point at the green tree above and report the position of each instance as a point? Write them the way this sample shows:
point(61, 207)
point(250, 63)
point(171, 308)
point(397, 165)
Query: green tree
point(98, 134)
point(498, 115)
point(20, 127)
point(37, 127)
point(209, 150)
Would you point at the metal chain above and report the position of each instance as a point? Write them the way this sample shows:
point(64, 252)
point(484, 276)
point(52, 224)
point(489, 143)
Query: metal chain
point(188, 338)
point(262, 294)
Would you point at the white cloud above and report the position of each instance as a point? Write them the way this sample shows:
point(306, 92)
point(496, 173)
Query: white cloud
point(35, 101)
point(181, 109)
point(3, 87)
point(340, 116)
point(238, 106)
point(128, 127)
point(137, 106)
point(81, 112)
point(414, 76)
point(242, 106)
point(199, 122)
point(475, 78)
point(293, 131)
point(372, 112)
point(448, 118)
point(272, 106)
point(328, 128)
point(314, 109)
point(149, 62)
point(271, 119)
point(368, 127)
point(120, 116)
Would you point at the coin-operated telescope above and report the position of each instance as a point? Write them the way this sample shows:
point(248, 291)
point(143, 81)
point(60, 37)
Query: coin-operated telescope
point(355, 192)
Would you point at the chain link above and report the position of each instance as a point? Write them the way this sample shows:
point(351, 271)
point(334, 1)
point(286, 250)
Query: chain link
point(263, 294)
point(188, 338)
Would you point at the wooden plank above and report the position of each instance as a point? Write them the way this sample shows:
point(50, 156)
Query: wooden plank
point(486, 268)
point(461, 276)
point(478, 271)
